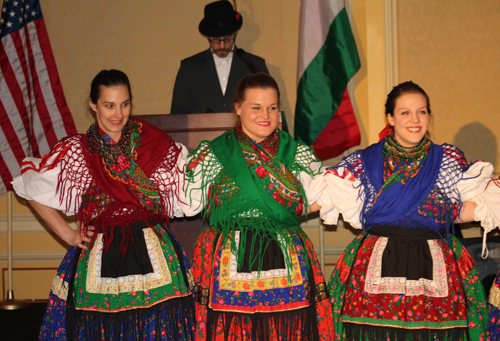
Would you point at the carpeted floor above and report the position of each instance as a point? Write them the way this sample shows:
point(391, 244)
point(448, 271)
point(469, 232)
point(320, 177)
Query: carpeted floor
point(22, 324)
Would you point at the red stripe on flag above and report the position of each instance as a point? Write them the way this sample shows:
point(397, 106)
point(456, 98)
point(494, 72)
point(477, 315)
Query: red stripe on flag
point(18, 43)
point(14, 87)
point(14, 144)
point(5, 174)
point(55, 82)
point(11, 135)
point(41, 106)
point(341, 132)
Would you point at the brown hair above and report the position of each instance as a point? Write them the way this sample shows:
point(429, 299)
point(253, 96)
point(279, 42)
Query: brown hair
point(108, 78)
point(402, 89)
point(255, 81)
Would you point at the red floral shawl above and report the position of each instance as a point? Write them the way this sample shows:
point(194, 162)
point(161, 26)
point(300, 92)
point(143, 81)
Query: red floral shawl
point(122, 179)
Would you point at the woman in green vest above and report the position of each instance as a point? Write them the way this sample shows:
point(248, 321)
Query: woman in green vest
point(256, 273)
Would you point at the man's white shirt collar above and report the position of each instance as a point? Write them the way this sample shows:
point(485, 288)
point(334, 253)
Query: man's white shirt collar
point(223, 66)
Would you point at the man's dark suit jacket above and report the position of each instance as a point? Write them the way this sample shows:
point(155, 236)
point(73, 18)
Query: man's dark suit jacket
point(197, 88)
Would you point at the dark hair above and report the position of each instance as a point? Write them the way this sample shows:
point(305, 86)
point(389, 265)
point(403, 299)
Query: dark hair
point(402, 89)
point(255, 81)
point(108, 78)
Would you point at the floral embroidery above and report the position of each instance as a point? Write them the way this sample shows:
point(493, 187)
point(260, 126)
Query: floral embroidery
point(261, 171)
point(437, 206)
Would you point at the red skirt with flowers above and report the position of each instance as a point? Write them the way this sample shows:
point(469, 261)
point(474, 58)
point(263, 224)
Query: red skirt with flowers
point(440, 297)
point(273, 304)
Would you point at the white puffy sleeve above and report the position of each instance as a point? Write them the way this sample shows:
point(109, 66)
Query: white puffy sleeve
point(200, 170)
point(39, 177)
point(477, 185)
point(308, 169)
point(342, 196)
point(313, 185)
point(336, 191)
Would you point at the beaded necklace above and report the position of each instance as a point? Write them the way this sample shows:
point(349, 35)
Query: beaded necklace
point(401, 163)
point(109, 149)
point(267, 149)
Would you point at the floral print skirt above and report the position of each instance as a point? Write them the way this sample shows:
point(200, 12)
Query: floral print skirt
point(494, 309)
point(444, 300)
point(104, 295)
point(275, 303)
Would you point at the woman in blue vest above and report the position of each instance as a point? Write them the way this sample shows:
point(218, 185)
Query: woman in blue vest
point(407, 277)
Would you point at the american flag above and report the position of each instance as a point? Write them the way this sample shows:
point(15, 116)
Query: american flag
point(33, 111)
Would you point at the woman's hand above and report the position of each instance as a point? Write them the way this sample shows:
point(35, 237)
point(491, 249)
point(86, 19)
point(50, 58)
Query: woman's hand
point(60, 227)
point(314, 207)
point(78, 238)
point(466, 214)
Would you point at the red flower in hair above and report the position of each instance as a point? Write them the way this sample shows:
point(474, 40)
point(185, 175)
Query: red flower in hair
point(238, 16)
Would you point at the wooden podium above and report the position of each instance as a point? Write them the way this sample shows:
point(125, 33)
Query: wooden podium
point(190, 130)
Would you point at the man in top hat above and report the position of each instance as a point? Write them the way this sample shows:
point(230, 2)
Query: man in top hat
point(206, 81)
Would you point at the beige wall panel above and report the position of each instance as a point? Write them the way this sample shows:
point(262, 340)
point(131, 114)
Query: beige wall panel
point(451, 49)
point(33, 241)
point(19, 205)
point(360, 100)
point(31, 283)
point(375, 68)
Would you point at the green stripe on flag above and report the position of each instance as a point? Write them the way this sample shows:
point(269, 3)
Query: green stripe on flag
point(324, 80)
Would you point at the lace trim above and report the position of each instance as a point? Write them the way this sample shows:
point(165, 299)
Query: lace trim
point(105, 285)
point(376, 284)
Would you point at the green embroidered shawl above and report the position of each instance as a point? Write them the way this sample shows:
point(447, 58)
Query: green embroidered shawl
point(254, 188)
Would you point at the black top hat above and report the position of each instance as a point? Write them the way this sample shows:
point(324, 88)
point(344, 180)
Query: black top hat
point(220, 19)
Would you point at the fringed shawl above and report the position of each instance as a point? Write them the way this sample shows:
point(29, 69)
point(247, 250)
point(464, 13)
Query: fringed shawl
point(397, 199)
point(429, 199)
point(121, 191)
point(255, 192)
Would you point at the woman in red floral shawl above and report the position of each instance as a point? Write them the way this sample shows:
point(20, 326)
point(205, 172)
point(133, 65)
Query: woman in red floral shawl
point(124, 277)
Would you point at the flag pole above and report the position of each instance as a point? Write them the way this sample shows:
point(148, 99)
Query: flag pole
point(10, 303)
point(321, 246)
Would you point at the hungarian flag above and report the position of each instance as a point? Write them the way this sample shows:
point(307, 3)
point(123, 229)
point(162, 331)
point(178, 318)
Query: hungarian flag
point(34, 115)
point(328, 58)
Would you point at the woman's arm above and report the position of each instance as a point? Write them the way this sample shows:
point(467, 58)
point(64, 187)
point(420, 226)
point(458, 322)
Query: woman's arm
point(59, 226)
point(200, 170)
point(466, 213)
point(314, 207)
